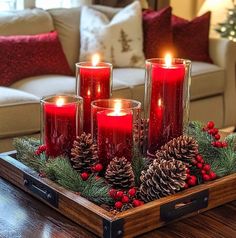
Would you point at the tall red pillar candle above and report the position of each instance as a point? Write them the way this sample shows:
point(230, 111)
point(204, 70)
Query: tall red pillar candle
point(93, 82)
point(168, 93)
point(60, 123)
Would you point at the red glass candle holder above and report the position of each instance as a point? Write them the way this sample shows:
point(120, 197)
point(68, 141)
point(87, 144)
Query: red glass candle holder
point(115, 128)
point(61, 122)
point(166, 104)
point(93, 81)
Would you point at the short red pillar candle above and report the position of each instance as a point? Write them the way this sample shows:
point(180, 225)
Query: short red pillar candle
point(93, 82)
point(60, 123)
point(168, 92)
point(115, 128)
point(115, 134)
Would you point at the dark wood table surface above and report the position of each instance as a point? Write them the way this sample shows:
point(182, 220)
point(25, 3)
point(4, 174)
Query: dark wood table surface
point(22, 216)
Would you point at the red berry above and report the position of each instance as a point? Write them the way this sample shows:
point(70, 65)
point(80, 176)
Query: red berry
point(212, 175)
point(118, 205)
point(203, 171)
point(132, 192)
point(84, 176)
point(42, 148)
point(37, 152)
point(112, 193)
point(211, 131)
point(125, 199)
point(205, 129)
point(214, 131)
point(98, 167)
point(192, 182)
point(218, 144)
point(199, 158)
point(141, 203)
point(187, 170)
point(194, 162)
point(210, 124)
point(217, 136)
point(136, 203)
point(119, 194)
point(186, 186)
point(213, 143)
point(206, 167)
point(224, 144)
point(206, 177)
point(199, 165)
point(193, 177)
point(188, 176)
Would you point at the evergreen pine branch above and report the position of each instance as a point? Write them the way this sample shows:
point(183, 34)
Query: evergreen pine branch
point(26, 152)
point(61, 171)
point(138, 165)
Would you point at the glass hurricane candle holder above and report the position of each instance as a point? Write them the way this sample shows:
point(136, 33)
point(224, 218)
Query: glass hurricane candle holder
point(115, 128)
point(93, 81)
point(166, 103)
point(61, 122)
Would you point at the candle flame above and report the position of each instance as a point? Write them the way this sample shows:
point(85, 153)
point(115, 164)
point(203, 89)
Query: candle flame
point(60, 102)
point(117, 107)
point(88, 92)
point(159, 102)
point(168, 60)
point(95, 59)
point(99, 88)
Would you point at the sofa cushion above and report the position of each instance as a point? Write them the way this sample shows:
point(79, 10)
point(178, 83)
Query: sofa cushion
point(67, 24)
point(19, 113)
point(191, 38)
point(25, 22)
point(46, 85)
point(31, 55)
point(157, 32)
point(207, 80)
point(119, 41)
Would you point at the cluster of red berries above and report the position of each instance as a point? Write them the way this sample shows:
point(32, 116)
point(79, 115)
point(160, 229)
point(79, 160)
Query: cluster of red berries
point(40, 150)
point(205, 169)
point(214, 132)
point(95, 169)
point(125, 197)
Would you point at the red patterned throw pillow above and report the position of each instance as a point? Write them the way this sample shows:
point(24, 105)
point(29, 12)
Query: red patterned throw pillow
point(191, 38)
point(24, 56)
point(157, 32)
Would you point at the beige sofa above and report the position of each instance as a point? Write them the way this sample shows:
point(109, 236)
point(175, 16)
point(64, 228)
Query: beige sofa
point(213, 91)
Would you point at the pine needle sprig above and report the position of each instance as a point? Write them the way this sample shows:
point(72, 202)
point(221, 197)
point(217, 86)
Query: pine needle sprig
point(139, 164)
point(61, 171)
point(26, 152)
point(97, 190)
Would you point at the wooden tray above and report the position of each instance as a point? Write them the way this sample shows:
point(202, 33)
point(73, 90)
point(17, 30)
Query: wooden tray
point(126, 224)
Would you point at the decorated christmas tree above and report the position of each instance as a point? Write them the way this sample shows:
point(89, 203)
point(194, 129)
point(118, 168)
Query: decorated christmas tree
point(227, 29)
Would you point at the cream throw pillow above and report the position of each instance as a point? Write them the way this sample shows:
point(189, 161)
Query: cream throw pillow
point(118, 41)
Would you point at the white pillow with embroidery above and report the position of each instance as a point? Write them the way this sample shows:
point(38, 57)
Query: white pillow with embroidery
point(118, 41)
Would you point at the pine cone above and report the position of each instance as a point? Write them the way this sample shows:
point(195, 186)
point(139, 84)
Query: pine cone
point(162, 178)
point(119, 173)
point(84, 153)
point(182, 148)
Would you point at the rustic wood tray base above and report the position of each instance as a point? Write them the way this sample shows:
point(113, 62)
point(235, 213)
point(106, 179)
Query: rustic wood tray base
point(126, 224)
